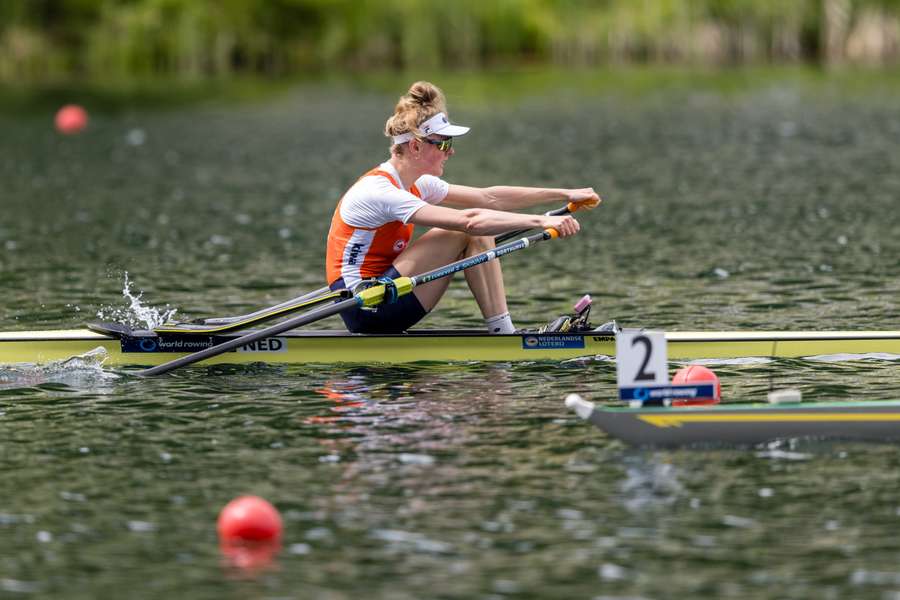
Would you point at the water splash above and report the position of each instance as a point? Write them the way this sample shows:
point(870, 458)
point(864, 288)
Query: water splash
point(84, 368)
point(136, 315)
point(91, 360)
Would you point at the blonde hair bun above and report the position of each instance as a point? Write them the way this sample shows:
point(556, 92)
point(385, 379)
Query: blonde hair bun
point(425, 94)
point(420, 103)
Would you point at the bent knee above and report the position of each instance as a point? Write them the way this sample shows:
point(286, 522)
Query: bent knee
point(480, 243)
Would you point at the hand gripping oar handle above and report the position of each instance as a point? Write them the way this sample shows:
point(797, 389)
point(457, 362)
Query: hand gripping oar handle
point(372, 296)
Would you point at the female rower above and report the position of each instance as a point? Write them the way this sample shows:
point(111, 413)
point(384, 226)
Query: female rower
point(373, 223)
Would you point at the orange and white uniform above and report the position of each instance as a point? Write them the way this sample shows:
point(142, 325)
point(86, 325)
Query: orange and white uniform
point(371, 227)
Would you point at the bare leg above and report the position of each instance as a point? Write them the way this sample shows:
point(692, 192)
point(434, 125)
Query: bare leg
point(436, 248)
point(439, 247)
point(486, 280)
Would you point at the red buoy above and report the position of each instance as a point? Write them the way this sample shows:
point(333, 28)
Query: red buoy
point(695, 374)
point(250, 519)
point(71, 119)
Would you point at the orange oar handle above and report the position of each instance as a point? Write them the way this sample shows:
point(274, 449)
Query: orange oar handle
point(589, 203)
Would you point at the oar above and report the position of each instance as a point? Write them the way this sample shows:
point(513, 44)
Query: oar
point(300, 302)
point(261, 316)
point(372, 296)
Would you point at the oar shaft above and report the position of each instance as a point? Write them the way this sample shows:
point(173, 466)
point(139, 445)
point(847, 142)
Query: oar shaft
point(298, 321)
point(484, 257)
point(286, 303)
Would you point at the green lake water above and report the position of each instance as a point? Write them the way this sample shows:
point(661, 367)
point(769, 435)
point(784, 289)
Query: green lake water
point(770, 206)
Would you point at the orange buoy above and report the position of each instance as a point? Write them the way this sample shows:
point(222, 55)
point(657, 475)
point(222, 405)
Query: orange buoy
point(697, 374)
point(71, 119)
point(249, 519)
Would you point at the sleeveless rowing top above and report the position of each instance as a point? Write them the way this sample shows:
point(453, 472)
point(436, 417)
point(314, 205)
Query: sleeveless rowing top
point(370, 225)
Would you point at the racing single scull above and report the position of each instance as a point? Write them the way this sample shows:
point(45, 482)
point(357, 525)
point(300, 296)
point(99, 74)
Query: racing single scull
point(134, 347)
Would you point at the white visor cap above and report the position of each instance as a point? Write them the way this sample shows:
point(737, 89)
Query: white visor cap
point(438, 124)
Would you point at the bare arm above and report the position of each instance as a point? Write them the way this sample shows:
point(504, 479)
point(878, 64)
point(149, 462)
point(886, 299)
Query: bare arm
point(508, 197)
point(484, 221)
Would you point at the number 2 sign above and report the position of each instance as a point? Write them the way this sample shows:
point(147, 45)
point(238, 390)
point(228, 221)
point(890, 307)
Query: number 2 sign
point(641, 359)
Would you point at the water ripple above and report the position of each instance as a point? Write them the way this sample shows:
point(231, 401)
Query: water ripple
point(766, 209)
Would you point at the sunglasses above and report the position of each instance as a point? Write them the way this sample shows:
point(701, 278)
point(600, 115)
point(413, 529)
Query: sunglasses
point(442, 145)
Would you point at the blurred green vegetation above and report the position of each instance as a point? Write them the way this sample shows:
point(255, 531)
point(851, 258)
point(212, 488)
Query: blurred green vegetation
point(108, 40)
